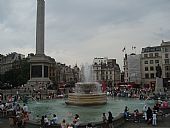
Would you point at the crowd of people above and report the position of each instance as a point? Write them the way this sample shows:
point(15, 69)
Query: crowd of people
point(132, 92)
point(18, 114)
point(107, 122)
point(150, 115)
point(141, 93)
point(45, 122)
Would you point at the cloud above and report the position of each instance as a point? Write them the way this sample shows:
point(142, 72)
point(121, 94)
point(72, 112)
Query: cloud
point(78, 30)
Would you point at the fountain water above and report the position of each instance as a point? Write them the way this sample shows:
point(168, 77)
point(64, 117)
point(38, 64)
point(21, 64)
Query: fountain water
point(88, 92)
point(34, 99)
point(30, 97)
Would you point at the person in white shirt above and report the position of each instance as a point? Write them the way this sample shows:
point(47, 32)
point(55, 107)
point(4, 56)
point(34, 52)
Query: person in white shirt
point(54, 120)
point(46, 121)
point(144, 111)
point(154, 118)
point(25, 108)
point(2, 107)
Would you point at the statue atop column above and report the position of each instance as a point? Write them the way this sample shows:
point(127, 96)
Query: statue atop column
point(158, 71)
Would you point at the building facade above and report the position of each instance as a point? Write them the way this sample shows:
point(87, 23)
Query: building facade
point(141, 69)
point(8, 62)
point(67, 74)
point(151, 57)
point(165, 48)
point(107, 70)
point(132, 68)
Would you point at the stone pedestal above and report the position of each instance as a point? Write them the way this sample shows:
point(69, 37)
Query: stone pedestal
point(39, 71)
point(159, 85)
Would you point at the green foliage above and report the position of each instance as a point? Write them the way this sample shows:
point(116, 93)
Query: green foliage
point(18, 76)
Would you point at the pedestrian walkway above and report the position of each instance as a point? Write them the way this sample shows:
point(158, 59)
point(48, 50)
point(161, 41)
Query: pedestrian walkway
point(165, 123)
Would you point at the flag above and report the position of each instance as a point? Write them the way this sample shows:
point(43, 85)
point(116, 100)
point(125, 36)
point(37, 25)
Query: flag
point(123, 49)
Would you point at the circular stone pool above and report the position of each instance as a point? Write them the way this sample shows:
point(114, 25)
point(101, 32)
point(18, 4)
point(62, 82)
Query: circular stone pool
point(87, 94)
point(87, 113)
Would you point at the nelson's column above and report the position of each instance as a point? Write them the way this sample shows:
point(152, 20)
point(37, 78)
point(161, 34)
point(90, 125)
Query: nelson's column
point(39, 63)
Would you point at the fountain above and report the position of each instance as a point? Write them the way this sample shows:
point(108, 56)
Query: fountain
point(87, 93)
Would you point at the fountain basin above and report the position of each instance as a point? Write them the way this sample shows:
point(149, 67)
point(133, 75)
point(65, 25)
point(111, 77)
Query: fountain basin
point(87, 93)
point(86, 99)
point(87, 114)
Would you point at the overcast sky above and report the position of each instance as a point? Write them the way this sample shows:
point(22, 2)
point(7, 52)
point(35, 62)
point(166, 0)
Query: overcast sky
point(76, 31)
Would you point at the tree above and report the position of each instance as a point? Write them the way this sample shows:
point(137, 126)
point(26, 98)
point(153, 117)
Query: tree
point(17, 76)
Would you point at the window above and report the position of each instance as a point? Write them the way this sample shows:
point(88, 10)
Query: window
point(146, 62)
point(166, 61)
point(157, 49)
point(156, 54)
point(167, 68)
point(151, 68)
point(146, 75)
point(157, 61)
point(166, 49)
point(166, 55)
point(167, 74)
point(150, 54)
point(152, 75)
point(146, 68)
point(146, 55)
point(151, 61)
